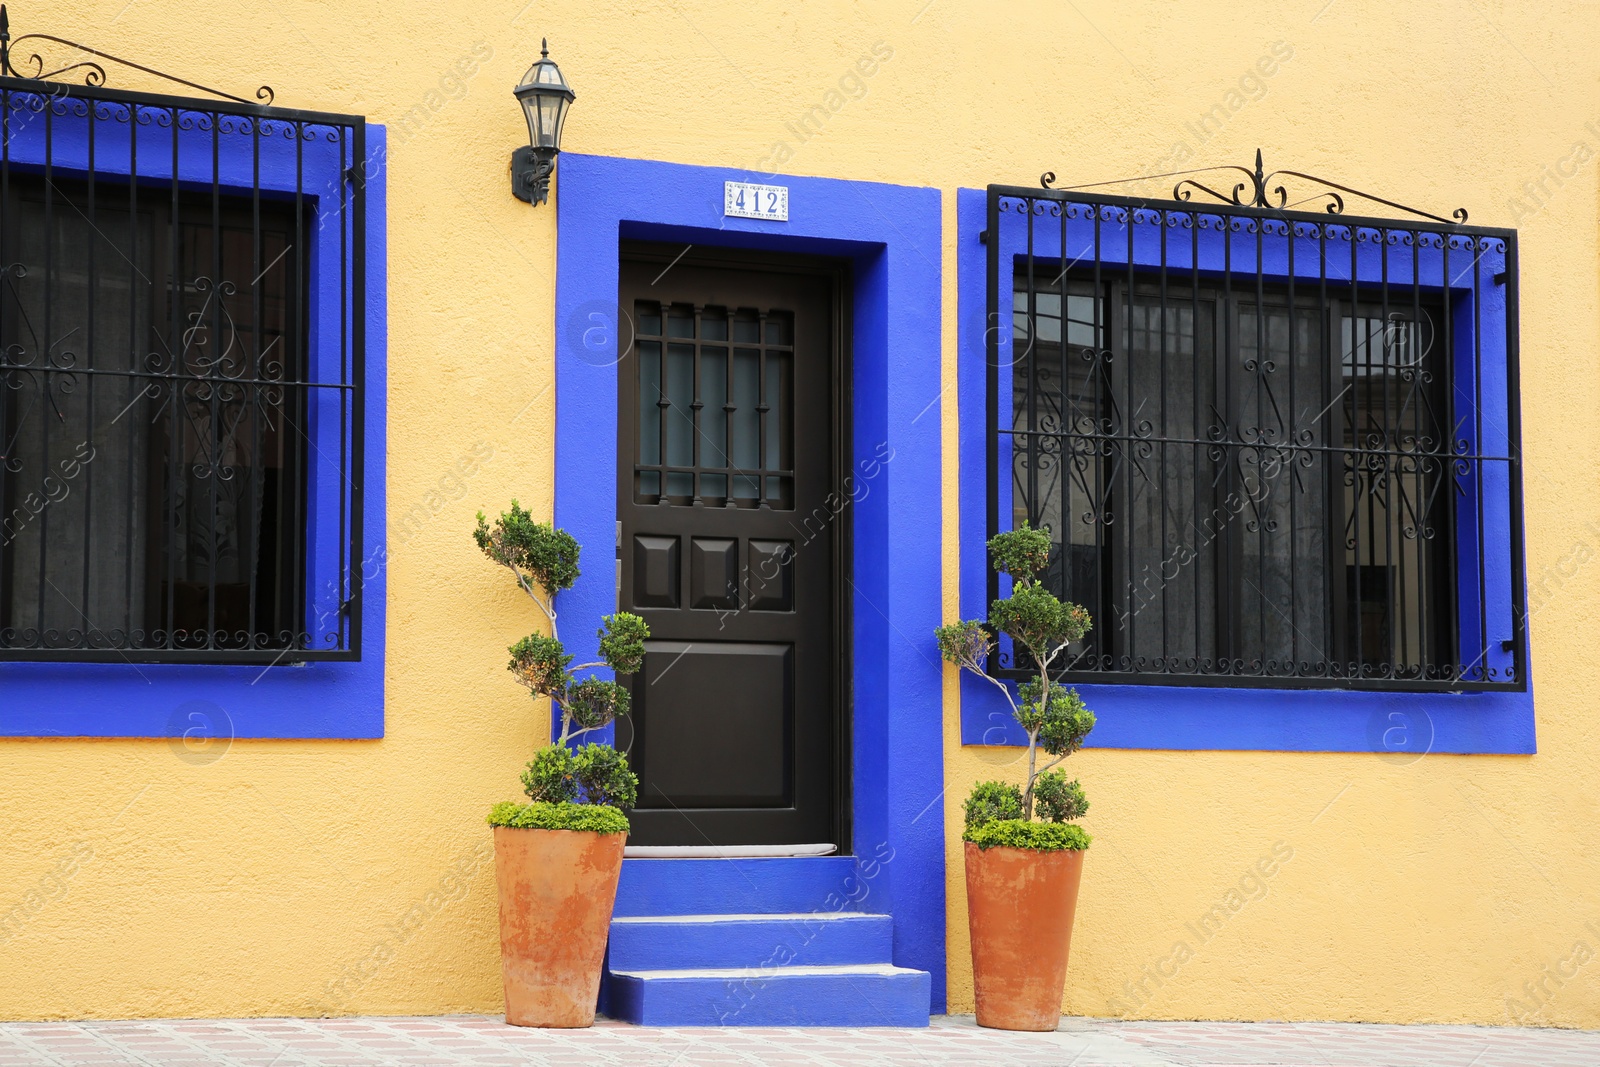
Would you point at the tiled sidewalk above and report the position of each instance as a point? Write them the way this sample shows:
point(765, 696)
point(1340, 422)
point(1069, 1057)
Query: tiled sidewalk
point(477, 1041)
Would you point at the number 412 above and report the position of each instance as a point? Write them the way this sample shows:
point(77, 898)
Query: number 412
point(771, 207)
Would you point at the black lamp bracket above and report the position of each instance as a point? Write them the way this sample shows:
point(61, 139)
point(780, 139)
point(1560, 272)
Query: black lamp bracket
point(530, 173)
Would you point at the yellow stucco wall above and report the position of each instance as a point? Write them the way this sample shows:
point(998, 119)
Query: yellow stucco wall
point(296, 877)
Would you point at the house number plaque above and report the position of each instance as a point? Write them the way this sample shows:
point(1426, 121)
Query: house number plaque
point(746, 201)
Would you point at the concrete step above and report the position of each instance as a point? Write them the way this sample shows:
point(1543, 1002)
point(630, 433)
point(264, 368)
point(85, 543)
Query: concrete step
point(734, 886)
point(693, 942)
point(846, 995)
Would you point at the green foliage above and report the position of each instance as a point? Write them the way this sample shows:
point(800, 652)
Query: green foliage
point(1037, 620)
point(1021, 553)
point(549, 777)
point(1058, 800)
point(993, 800)
point(1040, 627)
point(1062, 725)
point(966, 644)
point(594, 774)
point(1067, 724)
point(1034, 836)
point(540, 663)
point(595, 702)
point(569, 790)
point(602, 772)
point(622, 638)
point(536, 551)
point(542, 815)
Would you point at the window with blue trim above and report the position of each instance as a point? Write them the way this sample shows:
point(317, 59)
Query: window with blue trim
point(182, 354)
point(1272, 448)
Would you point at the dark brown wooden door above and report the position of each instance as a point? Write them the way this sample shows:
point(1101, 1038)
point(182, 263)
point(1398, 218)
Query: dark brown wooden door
point(726, 445)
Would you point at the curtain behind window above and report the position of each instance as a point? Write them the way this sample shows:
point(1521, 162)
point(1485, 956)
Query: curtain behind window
point(75, 440)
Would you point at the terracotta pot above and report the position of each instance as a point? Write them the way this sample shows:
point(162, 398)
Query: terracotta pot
point(1019, 908)
point(556, 892)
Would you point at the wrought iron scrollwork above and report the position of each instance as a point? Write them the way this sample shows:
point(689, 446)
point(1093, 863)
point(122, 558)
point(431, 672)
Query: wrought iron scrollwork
point(94, 71)
point(1260, 189)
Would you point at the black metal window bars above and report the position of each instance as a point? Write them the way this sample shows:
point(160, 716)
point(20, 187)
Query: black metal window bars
point(1272, 447)
point(715, 423)
point(182, 308)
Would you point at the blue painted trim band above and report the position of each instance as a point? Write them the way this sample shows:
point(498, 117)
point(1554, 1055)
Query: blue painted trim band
point(891, 236)
point(319, 700)
point(1205, 718)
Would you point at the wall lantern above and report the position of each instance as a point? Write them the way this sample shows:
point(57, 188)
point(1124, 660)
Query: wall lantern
point(544, 95)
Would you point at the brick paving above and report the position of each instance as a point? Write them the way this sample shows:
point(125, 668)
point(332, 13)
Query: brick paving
point(480, 1041)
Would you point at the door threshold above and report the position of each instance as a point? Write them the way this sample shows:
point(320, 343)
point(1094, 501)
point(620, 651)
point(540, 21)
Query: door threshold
point(724, 852)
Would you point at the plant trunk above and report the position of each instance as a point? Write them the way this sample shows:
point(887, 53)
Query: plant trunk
point(1033, 757)
point(559, 707)
point(1033, 736)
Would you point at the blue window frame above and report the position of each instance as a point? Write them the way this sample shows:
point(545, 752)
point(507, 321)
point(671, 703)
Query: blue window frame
point(207, 189)
point(1150, 324)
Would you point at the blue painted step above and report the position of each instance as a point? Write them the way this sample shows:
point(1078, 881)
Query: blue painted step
point(695, 942)
point(753, 942)
point(729, 886)
point(857, 995)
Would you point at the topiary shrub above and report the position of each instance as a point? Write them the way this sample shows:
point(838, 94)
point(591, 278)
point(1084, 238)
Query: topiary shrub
point(604, 778)
point(568, 788)
point(1053, 715)
point(993, 800)
point(1057, 799)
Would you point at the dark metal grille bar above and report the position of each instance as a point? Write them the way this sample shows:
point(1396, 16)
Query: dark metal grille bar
point(181, 378)
point(1272, 448)
point(716, 406)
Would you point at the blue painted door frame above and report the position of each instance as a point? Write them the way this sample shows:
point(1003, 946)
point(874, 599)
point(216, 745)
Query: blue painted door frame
point(891, 235)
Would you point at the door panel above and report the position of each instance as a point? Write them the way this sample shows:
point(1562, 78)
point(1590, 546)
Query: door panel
point(727, 442)
point(714, 572)
point(727, 704)
point(655, 572)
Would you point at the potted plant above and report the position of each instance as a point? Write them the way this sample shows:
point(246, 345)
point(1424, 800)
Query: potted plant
point(1022, 874)
point(558, 857)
